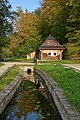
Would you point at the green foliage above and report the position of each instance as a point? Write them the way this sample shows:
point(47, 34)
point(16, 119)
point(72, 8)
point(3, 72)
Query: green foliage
point(72, 52)
point(73, 29)
point(26, 39)
point(68, 80)
point(43, 25)
point(5, 23)
point(63, 22)
point(60, 18)
point(56, 14)
point(5, 18)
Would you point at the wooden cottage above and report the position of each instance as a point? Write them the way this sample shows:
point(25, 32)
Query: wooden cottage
point(50, 49)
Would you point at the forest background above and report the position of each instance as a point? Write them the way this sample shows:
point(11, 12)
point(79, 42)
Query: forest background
point(22, 33)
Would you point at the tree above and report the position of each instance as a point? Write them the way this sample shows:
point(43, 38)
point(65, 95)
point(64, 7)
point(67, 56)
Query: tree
point(26, 38)
point(60, 18)
point(42, 25)
point(73, 29)
point(5, 23)
point(56, 13)
point(63, 21)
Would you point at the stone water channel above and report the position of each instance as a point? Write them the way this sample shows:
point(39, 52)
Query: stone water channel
point(28, 103)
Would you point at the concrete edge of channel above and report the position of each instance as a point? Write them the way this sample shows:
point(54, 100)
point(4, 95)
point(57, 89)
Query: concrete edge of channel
point(7, 93)
point(66, 111)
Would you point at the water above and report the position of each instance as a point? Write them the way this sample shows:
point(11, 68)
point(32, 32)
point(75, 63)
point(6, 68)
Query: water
point(28, 104)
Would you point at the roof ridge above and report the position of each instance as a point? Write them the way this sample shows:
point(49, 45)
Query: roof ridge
point(50, 37)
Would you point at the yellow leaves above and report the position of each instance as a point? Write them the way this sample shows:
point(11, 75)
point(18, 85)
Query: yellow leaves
point(26, 103)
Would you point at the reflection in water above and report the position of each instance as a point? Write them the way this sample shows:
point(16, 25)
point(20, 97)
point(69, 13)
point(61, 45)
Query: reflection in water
point(28, 104)
point(34, 116)
point(30, 116)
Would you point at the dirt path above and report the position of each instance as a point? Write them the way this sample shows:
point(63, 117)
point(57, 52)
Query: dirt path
point(74, 66)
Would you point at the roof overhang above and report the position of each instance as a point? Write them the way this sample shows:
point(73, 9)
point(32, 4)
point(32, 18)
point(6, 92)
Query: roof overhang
point(51, 48)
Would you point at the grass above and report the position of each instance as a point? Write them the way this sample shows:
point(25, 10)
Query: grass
point(8, 77)
point(59, 62)
point(1, 64)
point(68, 80)
point(13, 59)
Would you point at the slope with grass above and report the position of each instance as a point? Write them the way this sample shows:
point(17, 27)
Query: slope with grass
point(1, 64)
point(68, 80)
point(4, 81)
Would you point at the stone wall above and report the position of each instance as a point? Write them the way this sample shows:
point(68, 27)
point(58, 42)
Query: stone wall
point(66, 111)
point(7, 93)
point(27, 72)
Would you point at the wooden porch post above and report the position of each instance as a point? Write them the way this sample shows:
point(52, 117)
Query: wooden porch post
point(41, 55)
point(61, 55)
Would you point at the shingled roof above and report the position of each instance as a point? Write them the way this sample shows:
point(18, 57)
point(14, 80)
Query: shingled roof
point(51, 43)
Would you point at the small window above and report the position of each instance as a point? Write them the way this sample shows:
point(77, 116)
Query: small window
point(49, 53)
point(54, 53)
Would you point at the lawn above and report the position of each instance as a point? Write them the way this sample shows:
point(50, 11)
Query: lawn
point(58, 61)
point(13, 59)
point(4, 81)
point(68, 80)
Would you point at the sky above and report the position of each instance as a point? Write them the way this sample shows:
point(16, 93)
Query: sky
point(31, 5)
